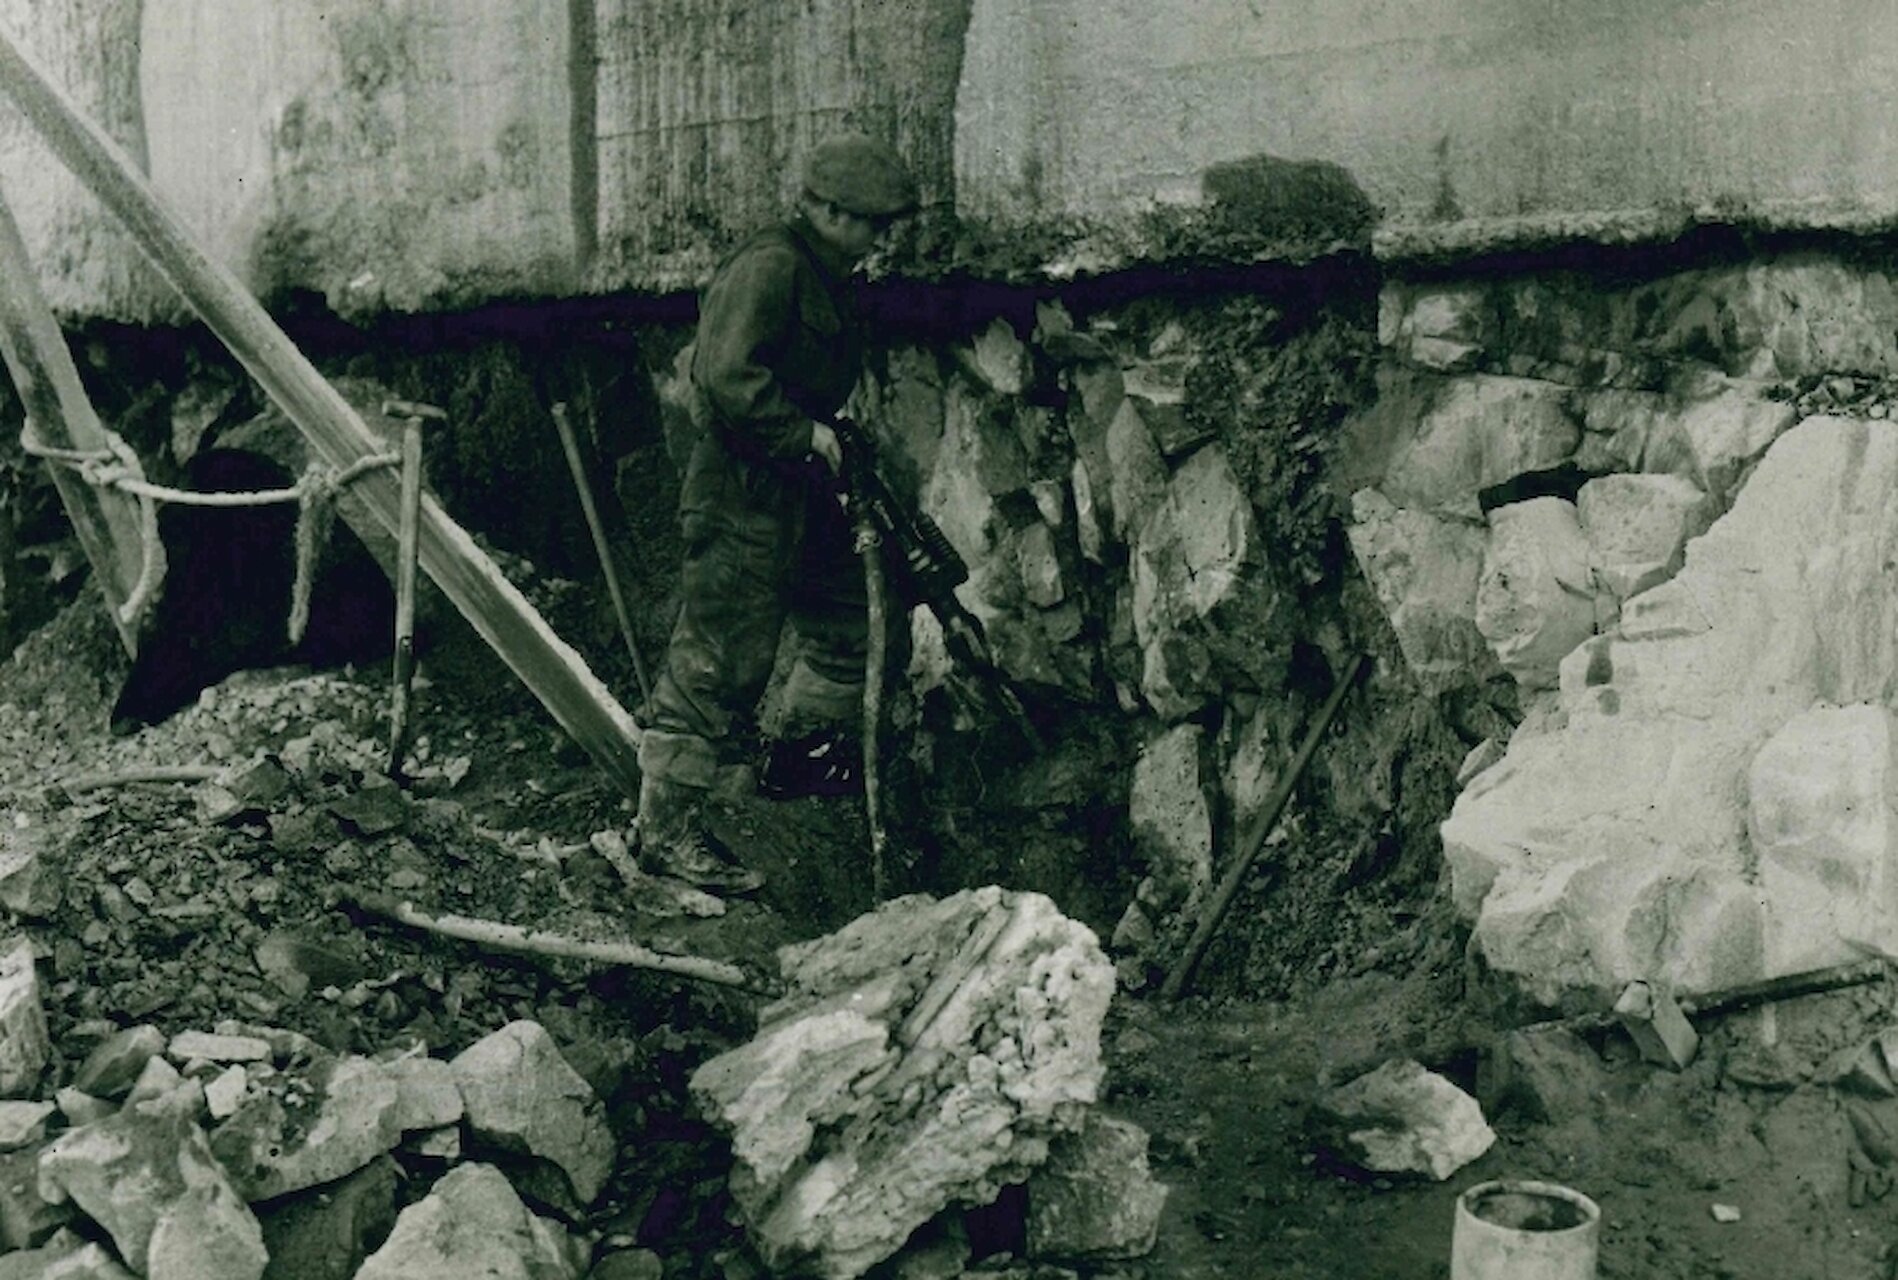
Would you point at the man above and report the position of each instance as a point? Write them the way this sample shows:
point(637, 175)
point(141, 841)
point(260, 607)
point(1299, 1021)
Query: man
point(777, 353)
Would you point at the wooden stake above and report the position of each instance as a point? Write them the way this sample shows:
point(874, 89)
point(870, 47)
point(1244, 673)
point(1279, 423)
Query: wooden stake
point(537, 942)
point(502, 616)
point(870, 549)
point(1254, 840)
point(604, 548)
point(411, 513)
point(108, 522)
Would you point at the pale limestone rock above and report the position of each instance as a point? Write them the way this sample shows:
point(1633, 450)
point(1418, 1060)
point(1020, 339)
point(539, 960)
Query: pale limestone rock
point(427, 1096)
point(1170, 818)
point(1137, 473)
point(1707, 433)
point(64, 1257)
point(1638, 527)
point(115, 1063)
point(1254, 762)
point(1424, 569)
point(223, 1094)
point(473, 1224)
point(1402, 1118)
point(998, 358)
point(27, 1217)
point(1479, 431)
point(1040, 567)
point(925, 1057)
point(1090, 521)
point(1536, 599)
point(1163, 409)
point(149, 1179)
point(348, 1120)
point(1205, 611)
point(157, 1079)
point(24, 1044)
point(1095, 1200)
point(1444, 327)
point(1820, 815)
point(80, 1107)
point(521, 1095)
point(1613, 845)
point(23, 1124)
point(29, 886)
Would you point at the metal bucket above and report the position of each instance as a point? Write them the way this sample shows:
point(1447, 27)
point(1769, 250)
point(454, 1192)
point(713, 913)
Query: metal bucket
point(1520, 1230)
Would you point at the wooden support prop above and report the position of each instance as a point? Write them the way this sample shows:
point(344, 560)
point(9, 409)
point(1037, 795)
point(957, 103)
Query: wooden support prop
point(536, 942)
point(337, 435)
point(1254, 839)
point(601, 546)
point(155, 773)
point(60, 415)
point(407, 536)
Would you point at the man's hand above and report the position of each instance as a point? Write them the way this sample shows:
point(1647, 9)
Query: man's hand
point(825, 445)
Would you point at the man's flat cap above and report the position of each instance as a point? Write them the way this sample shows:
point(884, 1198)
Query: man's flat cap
point(860, 174)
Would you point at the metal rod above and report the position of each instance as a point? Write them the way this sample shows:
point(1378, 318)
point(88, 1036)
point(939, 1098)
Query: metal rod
point(577, 465)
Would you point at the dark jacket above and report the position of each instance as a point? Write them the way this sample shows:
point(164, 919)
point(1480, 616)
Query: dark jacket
point(778, 343)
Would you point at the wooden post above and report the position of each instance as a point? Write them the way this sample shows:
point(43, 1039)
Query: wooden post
point(60, 416)
point(555, 673)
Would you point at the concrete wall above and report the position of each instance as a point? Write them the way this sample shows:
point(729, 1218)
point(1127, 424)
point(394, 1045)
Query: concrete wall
point(412, 154)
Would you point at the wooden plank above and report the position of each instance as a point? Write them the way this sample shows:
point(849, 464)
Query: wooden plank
point(555, 673)
point(61, 416)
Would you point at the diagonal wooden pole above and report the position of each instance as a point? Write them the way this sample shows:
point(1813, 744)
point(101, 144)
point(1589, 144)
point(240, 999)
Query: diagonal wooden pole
point(337, 435)
point(61, 417)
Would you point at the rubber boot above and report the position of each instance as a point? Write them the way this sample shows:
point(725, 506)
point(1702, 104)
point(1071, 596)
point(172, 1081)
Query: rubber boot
point(673, 840)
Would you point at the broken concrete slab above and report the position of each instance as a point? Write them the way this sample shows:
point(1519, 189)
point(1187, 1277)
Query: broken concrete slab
point(1095, 1200)
point(149, 1178)
point(24, 1044)
point(309, 1129)
point(326, 1232)
point(1404, 1118)
point(521, 1095)
point(1535, 601)
point(115, 1063)
point(926, 1056)
point(472, 1223)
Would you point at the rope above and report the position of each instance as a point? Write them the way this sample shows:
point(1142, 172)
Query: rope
point(117, 466)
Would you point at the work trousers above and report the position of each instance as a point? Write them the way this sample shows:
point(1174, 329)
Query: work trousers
point(762, 546)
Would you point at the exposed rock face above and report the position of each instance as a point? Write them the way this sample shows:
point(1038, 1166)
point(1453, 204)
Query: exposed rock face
point(1618, 843)
point(1637, 528)
point(522, 1096)
point(1475, 432)
point(925, 1057)
point(148, 1177)
point(472, 1224)
point(1095, 1201)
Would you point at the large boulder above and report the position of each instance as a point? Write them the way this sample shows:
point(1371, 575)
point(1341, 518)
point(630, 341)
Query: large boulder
point(1613, 841)
point(1425, 569)
point(926, 1056)
point(1536, 599)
